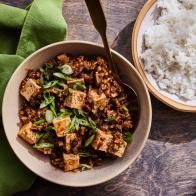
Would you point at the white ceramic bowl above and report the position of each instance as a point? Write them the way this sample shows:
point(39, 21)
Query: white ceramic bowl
point(145, 20)
point(39, 163)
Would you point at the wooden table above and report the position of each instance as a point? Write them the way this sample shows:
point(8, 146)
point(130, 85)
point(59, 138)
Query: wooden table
point(167, 164)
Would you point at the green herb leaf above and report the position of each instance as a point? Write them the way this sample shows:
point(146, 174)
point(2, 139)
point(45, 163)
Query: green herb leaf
point(41, 79)
point(81, 119)
point(49, 136)
point(127, 137)
point(77, 124)
point(77, 112)
point(49, 116)
point(81, 113)
point(66, 69)
point(85, 167)
point(89, 140)
point(47, 70)
point(110, 118)
point(39, 136)
point(62, 76)
point(67, 77)
point(72, 124)
point(47, 100)
point(43, 104)
point(64, 112)
point(49, 65)
point(79, 86)
point(84, 122)
point(43, 145)
point(62, 87)
point(49, 128)
point(53, 108)
point(59, 75)
point(41, 69)
point(92, 124)
point(39, 122)
point(84, 154)
point(125, 109)
point(51, 84)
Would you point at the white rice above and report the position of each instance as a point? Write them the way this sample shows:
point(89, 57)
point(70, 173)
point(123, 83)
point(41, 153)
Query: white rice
point(170, 54)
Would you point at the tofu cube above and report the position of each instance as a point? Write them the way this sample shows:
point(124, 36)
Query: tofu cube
point(63, 58)
point(102, 140)
point(61, 125)
point(27, 134)
point(99, 100)
point(74, 80)
point(118, 149)
point(29, 89)
point(72, 142)
point(118, 145)
point(71, 161)
point(69, 138)
point(46, 150)
point(76, 99)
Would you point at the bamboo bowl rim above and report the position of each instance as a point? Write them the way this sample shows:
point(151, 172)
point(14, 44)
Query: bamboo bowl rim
point(165, 99)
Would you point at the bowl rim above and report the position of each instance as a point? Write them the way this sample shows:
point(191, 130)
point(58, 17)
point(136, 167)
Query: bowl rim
point(109, 177)
point(165, 99)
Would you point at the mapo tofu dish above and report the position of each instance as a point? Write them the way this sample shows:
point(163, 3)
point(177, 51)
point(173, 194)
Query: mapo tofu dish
point(75, 112)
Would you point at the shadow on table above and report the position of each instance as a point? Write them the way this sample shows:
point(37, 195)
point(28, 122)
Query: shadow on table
point(168, 125)
point(122, 43)
point(50, 189)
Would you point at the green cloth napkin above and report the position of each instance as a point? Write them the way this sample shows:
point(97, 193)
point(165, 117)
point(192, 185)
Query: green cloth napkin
point(21, 33)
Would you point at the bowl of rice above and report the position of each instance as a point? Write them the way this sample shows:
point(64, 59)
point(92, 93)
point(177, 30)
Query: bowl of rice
point(164, 51)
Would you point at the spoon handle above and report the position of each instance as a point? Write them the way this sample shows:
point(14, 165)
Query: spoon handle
point(98, 18)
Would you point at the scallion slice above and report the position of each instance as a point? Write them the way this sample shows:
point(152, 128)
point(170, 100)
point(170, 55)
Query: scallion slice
point(49, 116)
point(89, 140)
point(66, 69)
point(39, 122)
point(43, 145)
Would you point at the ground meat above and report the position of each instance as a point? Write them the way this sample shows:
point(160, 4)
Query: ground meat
point(57, 159)
point(105, 102)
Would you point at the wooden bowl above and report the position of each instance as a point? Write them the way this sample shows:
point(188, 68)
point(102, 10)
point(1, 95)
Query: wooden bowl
point(40, 164)
point(145, 20)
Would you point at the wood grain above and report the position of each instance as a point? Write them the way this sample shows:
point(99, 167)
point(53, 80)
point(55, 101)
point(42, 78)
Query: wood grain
point(167, 165)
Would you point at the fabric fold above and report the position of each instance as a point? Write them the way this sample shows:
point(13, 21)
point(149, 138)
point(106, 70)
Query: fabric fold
point(35, 34)
point(21, 33)
point(11, 17)
point(11, 23)
point(14, 177)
